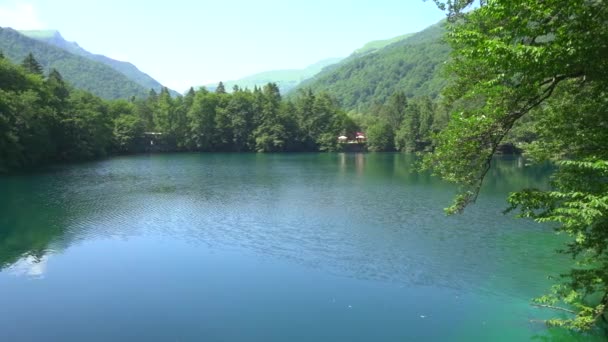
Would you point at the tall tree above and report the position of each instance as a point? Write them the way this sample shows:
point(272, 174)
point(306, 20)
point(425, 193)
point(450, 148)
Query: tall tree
point(31, 65)
point(512, 59)
point(394, 110)
point(221, 89)
point(58, 87)
point(427, 118)
point(201, 117)
point(380, 137)
point(270, 135)
point(408, 135)
point(165, 118)
point(240, 112)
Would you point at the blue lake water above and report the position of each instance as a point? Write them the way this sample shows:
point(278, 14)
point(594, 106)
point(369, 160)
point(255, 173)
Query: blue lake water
point(268, 247)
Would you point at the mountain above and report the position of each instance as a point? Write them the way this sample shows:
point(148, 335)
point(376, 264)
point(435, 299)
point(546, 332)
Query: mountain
point(79, 71)
point(131, 71)
point(376, 45)
point(409, 63)
point(286, 79)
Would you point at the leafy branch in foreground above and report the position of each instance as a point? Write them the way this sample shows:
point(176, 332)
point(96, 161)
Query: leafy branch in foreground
point(541, 59)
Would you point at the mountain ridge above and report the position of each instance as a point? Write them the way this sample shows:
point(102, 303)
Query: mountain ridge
point(410, 65)
point(286, 79)
point(54, 37)
point(79, 71)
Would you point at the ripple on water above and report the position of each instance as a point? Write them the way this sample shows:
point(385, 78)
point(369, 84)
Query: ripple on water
point(384, 226)
point(344, 217)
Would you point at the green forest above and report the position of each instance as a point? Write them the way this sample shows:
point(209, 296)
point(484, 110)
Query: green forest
point(44, 119)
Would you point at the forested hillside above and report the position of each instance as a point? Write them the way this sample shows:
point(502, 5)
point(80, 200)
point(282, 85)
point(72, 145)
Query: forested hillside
point(79, 71)
point(131, 71)
point(410, 65)
point(43, 120)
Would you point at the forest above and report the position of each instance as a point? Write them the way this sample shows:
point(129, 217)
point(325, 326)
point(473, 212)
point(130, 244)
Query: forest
point(44, 119)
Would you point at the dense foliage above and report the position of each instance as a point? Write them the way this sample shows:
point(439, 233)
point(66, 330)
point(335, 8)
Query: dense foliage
point(43, 120)
point(79, 71)
point(542, 62)
point(410, 65)
point(403, 124)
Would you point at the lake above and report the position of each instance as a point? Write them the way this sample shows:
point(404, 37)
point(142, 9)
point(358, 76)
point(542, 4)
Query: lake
point(268, 247)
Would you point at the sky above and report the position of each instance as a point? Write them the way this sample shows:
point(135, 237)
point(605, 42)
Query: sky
point(183, 43)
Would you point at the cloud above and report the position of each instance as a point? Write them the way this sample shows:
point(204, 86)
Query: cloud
point(20, 16)
point(30, 266)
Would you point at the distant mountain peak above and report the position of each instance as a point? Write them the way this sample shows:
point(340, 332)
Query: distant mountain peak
point(53, 37)
point(376, 45)
point(286, 79)
point(42, 34)
point(81, 72)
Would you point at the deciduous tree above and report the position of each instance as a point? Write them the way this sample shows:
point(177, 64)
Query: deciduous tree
point(513, 59)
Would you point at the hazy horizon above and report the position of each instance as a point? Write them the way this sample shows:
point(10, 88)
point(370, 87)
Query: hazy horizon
point(192, 43)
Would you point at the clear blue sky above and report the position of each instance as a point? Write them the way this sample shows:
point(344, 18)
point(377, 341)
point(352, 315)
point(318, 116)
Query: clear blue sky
point(184, 43)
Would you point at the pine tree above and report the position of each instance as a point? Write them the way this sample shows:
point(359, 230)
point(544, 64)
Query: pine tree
point(58, 88)
point(220, 89)
point(31, 65)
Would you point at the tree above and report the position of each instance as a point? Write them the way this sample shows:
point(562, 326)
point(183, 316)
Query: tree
point(240, 112)
point(513, 59)
point(394, 111)
point(127, 134)
point(409, 132)
point(58, 88)
point(270, 135)
point(87, 128)
point(427, 117)
point(31, 65)
point(304, 113)
point(220, 89)
point(380, 137)
point(201, 118)
point(223, 127)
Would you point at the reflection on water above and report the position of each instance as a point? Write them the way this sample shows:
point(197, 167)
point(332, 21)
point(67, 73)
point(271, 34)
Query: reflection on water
point(375, 218)
point(363, 217)
point(29, 266)
point(371, 217)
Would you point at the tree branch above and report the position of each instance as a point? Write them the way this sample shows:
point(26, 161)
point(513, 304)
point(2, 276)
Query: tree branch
point(554, 308)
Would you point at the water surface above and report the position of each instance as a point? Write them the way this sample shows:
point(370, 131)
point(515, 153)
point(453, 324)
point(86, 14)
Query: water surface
point(280, 247)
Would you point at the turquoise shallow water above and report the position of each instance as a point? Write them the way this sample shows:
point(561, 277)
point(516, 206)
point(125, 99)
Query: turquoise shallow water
point(281, 247)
